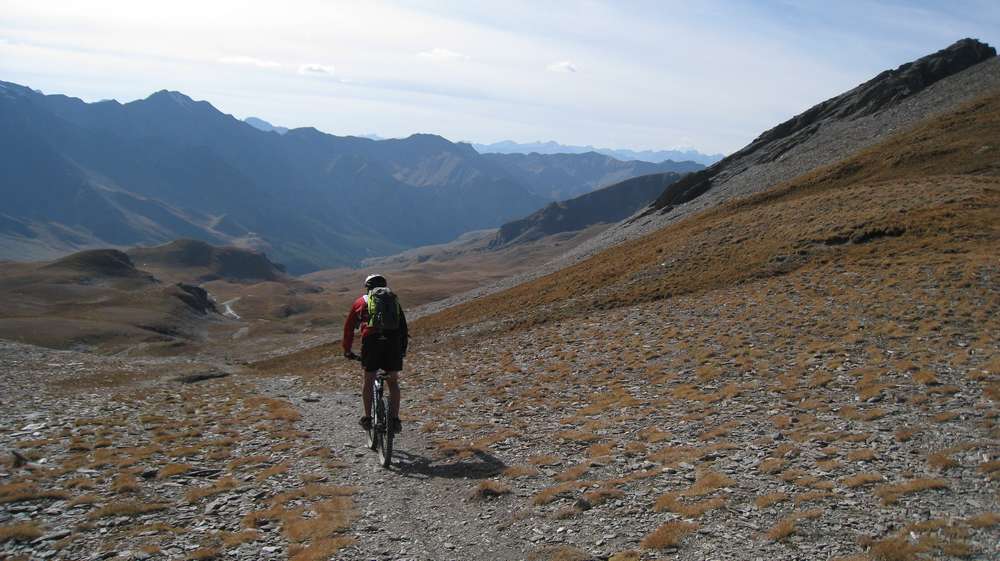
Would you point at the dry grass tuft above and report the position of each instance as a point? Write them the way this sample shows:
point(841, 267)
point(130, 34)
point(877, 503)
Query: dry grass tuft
point(544, 460)
point(598, 450)
point(707, 482)
point(128, 508)
point(322, 549)
point(220, 486)
point(271, 471)
point(515, 472)
point(984, 520)
point(549, 494)
point(941, 460)
point(860, 479)
point(891, 493)
point(23, 491)
point(171, 470)
point(602, 495)
point(558, 553)
point(862, 455)
point(20, 532)
point(671, 502)
point(204, 554)
point(233, 539)
point(630, 555)
point(573, 473)
point(789, 524)
point(125, 483)
point(765, 501)
point(490, 489)
point(83, 500)
point(331, 516)
point(771, 466)
point(669, 534)
point(896, 548)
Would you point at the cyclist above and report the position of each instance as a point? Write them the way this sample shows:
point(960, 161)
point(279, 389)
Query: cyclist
point(380, 348)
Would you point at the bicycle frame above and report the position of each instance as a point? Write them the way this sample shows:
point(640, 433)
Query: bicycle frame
point(380, 436)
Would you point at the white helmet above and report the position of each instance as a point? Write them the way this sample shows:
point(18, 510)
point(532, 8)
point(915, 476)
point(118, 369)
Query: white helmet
point(374, 281)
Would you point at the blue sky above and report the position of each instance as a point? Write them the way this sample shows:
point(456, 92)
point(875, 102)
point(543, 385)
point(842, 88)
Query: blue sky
point(647, 75)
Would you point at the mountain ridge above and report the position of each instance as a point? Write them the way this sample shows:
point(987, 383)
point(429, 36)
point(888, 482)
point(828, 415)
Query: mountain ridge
point(624, 154)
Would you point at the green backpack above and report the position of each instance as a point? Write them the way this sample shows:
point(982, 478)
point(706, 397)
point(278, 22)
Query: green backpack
point(383, 309)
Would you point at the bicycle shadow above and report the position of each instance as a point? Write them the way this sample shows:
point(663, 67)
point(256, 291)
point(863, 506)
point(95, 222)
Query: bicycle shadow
point(482, 465)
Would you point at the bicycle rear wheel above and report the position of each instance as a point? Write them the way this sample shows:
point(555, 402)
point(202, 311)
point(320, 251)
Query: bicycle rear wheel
point(372, 432)
point(385, 435)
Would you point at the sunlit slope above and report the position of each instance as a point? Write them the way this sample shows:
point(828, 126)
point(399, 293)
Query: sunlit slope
point(930, 193)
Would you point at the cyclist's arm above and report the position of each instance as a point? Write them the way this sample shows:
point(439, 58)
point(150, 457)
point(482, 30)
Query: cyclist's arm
point(405, 331)
point(349, 325)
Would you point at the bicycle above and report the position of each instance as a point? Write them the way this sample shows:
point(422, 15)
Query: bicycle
point(380, 435)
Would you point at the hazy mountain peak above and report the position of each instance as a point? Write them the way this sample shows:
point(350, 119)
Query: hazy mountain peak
point(171, 96)
point(261, 124)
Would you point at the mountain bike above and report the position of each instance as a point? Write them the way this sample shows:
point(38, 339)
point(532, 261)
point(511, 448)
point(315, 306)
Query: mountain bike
point(380, 435)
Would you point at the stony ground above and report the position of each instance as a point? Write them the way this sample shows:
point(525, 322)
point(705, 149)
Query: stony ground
point(781, 419)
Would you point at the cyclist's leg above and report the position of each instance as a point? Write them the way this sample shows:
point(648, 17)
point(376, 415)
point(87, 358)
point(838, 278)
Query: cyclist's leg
point(392, 382)
point(366, 392)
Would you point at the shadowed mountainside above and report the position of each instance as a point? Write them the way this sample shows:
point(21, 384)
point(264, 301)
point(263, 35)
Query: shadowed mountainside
point(603, 206)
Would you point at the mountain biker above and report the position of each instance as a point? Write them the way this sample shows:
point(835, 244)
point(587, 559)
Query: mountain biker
point(380, 349)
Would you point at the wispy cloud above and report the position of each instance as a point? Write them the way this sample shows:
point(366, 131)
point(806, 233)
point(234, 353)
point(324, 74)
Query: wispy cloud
point(314, 69)
point(437, 54)
point(250, 61)
point(564, 66)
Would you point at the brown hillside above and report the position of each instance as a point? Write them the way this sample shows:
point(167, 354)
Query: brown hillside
point(931, 191)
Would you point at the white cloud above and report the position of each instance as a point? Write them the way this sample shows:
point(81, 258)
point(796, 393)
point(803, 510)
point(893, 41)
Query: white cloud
point(562, 66)
point(250, 61)
point(313, 69)
point(437, 54)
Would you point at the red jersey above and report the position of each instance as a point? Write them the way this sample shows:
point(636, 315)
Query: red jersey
point(358, 316)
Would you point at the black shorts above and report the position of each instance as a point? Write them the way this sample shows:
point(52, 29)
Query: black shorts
point(382, 352)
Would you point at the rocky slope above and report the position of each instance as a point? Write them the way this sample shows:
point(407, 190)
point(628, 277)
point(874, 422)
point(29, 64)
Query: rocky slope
point(890, 102)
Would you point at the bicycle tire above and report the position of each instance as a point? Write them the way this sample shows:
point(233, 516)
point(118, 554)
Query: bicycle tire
point(385, 435)
point(372, 432)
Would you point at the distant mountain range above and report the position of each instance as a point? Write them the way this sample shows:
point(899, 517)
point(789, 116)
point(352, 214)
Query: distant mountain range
point(560, 177)
point(551, 147)
point(76, 175)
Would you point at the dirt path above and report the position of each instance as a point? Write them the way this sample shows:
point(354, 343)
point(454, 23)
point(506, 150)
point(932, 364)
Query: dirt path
point(422, 507)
